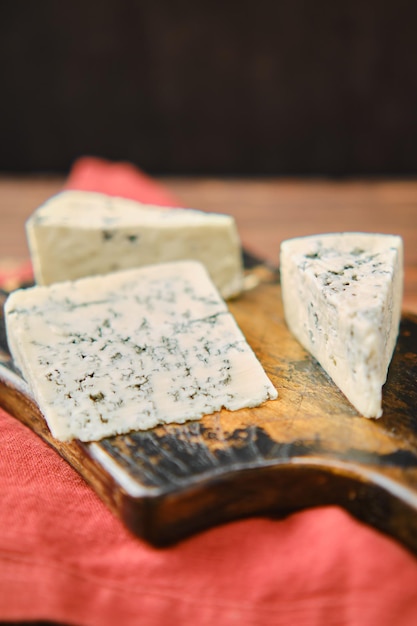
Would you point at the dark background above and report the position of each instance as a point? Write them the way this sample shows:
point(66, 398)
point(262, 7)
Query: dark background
point(226, 88)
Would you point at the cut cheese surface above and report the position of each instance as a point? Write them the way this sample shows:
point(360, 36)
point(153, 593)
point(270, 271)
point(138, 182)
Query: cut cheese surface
point(80, 233)
point(342, 297)
point(126, 351)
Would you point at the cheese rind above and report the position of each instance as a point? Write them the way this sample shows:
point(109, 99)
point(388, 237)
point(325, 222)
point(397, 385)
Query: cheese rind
point(342, 296)
point(105, 355)
point(79, 233)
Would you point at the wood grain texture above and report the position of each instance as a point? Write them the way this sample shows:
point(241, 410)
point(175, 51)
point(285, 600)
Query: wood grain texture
point(307, 448)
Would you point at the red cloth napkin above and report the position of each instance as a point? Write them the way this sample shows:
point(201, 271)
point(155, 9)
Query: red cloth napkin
point(65, 557)
point(117, 179)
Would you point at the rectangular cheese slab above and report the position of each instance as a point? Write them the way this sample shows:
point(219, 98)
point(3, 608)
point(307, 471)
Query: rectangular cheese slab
point(126, 351)
point(342, 296)
point(80, 233)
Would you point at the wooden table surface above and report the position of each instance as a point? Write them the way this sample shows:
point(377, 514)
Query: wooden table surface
point(266, 210)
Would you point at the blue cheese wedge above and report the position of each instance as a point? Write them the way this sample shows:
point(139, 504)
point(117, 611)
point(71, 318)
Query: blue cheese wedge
point(106, 355)
point(342, 297)
point(79, 233)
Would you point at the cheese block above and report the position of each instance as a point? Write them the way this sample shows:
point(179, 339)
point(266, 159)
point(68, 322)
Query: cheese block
point(126, 351)
point(80, 233)
point(342, 296)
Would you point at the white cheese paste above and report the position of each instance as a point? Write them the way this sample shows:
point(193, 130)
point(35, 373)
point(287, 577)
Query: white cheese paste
point(82, 233)
point(342, 296)
point(108, 354)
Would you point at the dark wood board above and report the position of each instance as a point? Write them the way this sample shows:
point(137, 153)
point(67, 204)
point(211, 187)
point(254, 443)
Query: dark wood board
point(307, 448)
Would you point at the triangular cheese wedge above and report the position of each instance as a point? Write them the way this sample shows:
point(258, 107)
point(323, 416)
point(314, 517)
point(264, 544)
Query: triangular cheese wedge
point(342, 296)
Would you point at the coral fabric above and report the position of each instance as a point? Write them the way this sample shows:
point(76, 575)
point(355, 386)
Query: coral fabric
point(117, 179)
point(64, 557)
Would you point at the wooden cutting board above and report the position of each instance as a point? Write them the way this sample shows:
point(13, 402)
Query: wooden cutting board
point(307, 448)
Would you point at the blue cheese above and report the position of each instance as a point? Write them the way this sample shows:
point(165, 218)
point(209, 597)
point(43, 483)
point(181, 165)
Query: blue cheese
point(342, 297)
point(79, 233)
point(109, 354)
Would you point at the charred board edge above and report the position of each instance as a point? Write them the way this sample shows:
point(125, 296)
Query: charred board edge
point(275, 491)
